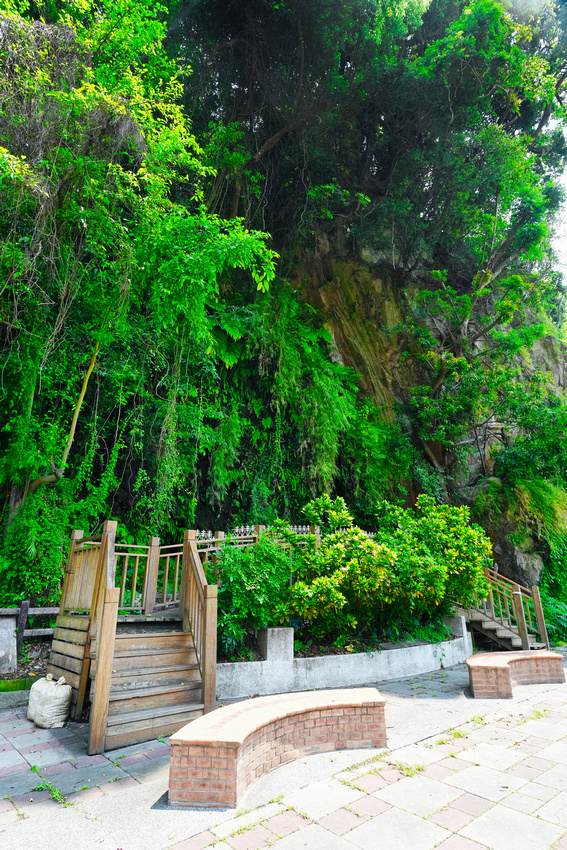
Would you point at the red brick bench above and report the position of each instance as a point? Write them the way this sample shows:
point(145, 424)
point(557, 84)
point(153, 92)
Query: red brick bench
point(216, 757)
point(493, 674)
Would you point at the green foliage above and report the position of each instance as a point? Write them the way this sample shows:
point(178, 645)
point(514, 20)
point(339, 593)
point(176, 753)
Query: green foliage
point(251, 581)
point(555, 613)
point(422, 564)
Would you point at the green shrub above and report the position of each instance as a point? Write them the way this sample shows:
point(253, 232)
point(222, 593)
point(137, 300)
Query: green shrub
point(251, 582)
point(419, 563)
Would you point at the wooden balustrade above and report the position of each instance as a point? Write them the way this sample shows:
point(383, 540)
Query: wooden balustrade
point(515, 606)
point(199, 612)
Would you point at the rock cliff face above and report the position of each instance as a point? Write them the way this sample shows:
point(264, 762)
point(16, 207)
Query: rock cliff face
point(363, 310)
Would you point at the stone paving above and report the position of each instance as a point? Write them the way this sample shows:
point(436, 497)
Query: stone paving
point(494, 779)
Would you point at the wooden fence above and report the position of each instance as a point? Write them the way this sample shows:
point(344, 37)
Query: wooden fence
point(21, 614)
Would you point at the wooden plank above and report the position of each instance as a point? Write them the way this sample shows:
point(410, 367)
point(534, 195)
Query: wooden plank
point(71, 649)
point(161, 640)
point(9, 612)
point(43, 611)
point(73, 665)
point(68, 621)
point(70, 678)
point(133, 736)
point(70, 636)
point(21, 624)
point(209, 666)
point(105, 654)
point(38, 632)
point(540, 617)
point(151, 577)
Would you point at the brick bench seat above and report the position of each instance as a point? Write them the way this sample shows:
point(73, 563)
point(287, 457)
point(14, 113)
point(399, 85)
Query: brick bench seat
point(215, 757)
point(493, 674)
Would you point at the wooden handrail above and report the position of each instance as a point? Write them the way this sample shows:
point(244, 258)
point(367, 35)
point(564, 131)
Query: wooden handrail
point(515, 607)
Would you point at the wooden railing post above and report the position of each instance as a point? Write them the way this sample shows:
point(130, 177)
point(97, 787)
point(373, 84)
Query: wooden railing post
point(209, 666)
point(21, 624)
point(313, 530)
point(258, 530)
point(188, 535)
point(70, 568)
point(520, 615)
point(151, 577)
point(490, 598)
point(105, 655)
point(541, 627)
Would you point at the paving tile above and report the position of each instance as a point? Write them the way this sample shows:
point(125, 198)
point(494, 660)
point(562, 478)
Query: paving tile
point(133, 759)
point(7, 818)
point(369, 806)
point(484, 782)
point(56, 769)
point(492, 755)
point(370, 782)
point(556, 777)
point(227, 827)
point(19, 783)
point(12, 734)
point(556, 752)
point(21, 800)
point(471, 804)
point(340, 821)
point(321, 798)
point(262, 813)
point(285, 823)
point(555, 810)
point(118, 785)
point(313, 837)
point(540, 729)
point(7, 718)
point(540, 792)
point(538, 763)
point(85, 796)
point(459, 842)
point(454, 763)
point(68, 752)
point(22, 767)
point(158, 752)
point(99, 774)
point(418, 794)
point(197, 842)
point(522, 803)
point(87, 761)
point(395, 829)
point(451, 818)
point(436, 771)
point(5, 806)
point(505, 829)
point(416, 755)
point(9, 758)
point(524, 771)
point(41, 736)
point(149, 770)
point(250, 839)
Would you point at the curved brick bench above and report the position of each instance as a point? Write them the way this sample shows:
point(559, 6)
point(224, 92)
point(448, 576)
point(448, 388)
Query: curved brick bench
point(493, 674)
point(216, 757)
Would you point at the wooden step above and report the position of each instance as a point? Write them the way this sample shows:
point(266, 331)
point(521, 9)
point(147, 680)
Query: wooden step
point(137, 726)
point(138, 659)
point(149, 641)
point(139, 699)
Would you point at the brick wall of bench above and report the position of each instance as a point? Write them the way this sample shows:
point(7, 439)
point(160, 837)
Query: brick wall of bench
point(493, 675)
point(215, 758)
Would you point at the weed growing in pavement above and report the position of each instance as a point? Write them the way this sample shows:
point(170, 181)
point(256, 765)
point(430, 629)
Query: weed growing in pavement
point(54, 793)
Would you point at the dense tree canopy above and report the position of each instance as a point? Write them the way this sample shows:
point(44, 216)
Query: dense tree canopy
point(169, 178)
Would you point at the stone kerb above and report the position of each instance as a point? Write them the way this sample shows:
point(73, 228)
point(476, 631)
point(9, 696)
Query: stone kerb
point(216, 757)
point(493, 675)
point(280, 672)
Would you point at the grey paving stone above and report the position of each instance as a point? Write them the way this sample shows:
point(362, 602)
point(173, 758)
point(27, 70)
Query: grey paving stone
point(501, 828)
point(322, 798)
point(68, 752)
point(313, 837)
point(39, 736)
point(539, 729)
point(418, 794)
point(21, 783)
point(484, 782)
point(98, 774)
point(522, 803)
point(556, 752)
point(492, 755)
point(396, 829)
point(149, 770)
point(11, 757)
point(555, 811)
point(556, 777)
point(416, 754)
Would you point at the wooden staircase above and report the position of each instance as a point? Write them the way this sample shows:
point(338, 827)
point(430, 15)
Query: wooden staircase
point(511, 615)
point(144, 651)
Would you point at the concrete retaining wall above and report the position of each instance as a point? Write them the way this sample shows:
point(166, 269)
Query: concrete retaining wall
point(8, 654)
point(282, 673)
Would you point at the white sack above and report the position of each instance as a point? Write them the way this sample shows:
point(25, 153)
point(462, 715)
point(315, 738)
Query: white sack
point(49, 702)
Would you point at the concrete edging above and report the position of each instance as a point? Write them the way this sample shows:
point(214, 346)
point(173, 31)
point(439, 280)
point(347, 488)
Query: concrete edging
point(282, 673)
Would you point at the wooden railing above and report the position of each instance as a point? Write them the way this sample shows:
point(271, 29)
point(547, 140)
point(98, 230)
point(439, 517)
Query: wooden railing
point(515, 607)
point(199, 612)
